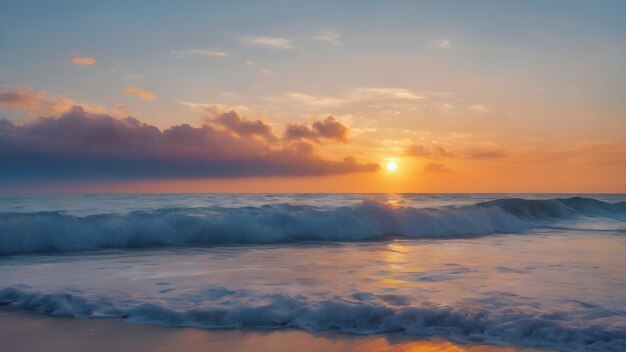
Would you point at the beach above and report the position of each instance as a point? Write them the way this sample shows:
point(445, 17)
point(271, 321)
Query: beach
point(25, 331)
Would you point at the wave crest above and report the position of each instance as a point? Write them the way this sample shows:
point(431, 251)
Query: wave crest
point(55, 231)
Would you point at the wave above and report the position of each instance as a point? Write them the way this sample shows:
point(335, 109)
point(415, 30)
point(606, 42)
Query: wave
point(362, 313)
point(22, 233)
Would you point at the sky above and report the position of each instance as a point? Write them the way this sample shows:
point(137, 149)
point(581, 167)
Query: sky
point(312, 96)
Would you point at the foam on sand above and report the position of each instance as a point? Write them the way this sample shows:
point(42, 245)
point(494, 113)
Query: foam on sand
point(363, 313)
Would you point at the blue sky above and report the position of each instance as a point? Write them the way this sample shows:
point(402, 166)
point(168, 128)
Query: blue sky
point(548, 40)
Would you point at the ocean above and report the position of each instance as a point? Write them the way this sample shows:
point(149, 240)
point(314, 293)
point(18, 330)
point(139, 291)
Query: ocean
point(516, 270)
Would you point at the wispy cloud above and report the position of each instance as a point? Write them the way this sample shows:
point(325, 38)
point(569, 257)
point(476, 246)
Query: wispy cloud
point(325, 37)
point(352, 96)
point(212, 110)
point(363, 93)
point(83, 60)
point(436, 152)
point(272, 42)
point(488, 154)
point(197, 52)
point(441, 43)
point(419, 150)
point(312, 100)
point(139, 92)
point(437, 168)
point(478, 108)
point(40, 103)
point(328, 37)
point(19, 100)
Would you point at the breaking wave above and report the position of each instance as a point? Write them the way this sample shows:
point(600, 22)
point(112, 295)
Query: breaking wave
point(22, 233)
point(361, 313)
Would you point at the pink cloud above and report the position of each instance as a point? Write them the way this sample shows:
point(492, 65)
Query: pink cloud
point(139, 92)
point(38, 103)
point(83, 60)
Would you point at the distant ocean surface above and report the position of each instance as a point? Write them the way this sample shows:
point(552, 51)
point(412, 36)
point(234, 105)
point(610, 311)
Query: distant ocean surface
point(522, 270)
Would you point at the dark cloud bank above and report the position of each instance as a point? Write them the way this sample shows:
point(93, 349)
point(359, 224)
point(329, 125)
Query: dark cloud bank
point(83, 146)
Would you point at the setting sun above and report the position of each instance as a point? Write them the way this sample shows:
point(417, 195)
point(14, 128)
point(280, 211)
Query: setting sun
point(391, 166)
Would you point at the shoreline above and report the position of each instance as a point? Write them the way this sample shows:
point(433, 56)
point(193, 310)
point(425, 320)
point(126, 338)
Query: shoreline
point(30, 331)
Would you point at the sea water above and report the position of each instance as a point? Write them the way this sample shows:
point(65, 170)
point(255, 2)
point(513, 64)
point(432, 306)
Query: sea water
point(534, 270)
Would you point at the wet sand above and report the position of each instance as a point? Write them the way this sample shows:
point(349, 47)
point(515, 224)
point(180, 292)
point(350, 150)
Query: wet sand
point(27, 331)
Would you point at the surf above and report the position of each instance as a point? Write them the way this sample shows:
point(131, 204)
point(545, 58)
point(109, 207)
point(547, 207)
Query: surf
point(35, 232)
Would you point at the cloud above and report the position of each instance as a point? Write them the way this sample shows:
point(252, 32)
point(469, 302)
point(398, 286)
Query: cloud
point(441, 43)
point(197, 52)
point(353, 96)
point(488, 154)
point(331, 129)
point(233, 122)
point(364, 93)
point(139, 92)
point(83, 60)
point(121, 110)
point(38, 103)
point(328, 37)
point(225, 116)
point(478, 108)
point(421, 151)
point(328, 130)
point(271, 42)
point(83, 146)
point(212, 111)
point(249, 62)
point(418, 150)
point(18, 100)
point(312, 100)
point(437, 168)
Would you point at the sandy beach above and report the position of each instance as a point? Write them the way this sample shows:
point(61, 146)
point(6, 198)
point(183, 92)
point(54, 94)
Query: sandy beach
point(27, 331)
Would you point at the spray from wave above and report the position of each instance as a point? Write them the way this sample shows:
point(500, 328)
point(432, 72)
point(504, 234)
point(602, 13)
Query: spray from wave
point(22, 233)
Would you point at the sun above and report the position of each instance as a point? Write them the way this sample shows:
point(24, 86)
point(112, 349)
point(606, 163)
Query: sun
point(391, 166)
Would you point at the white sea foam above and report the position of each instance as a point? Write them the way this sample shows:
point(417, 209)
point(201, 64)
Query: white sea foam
point(56, 231)
point(362, 313)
